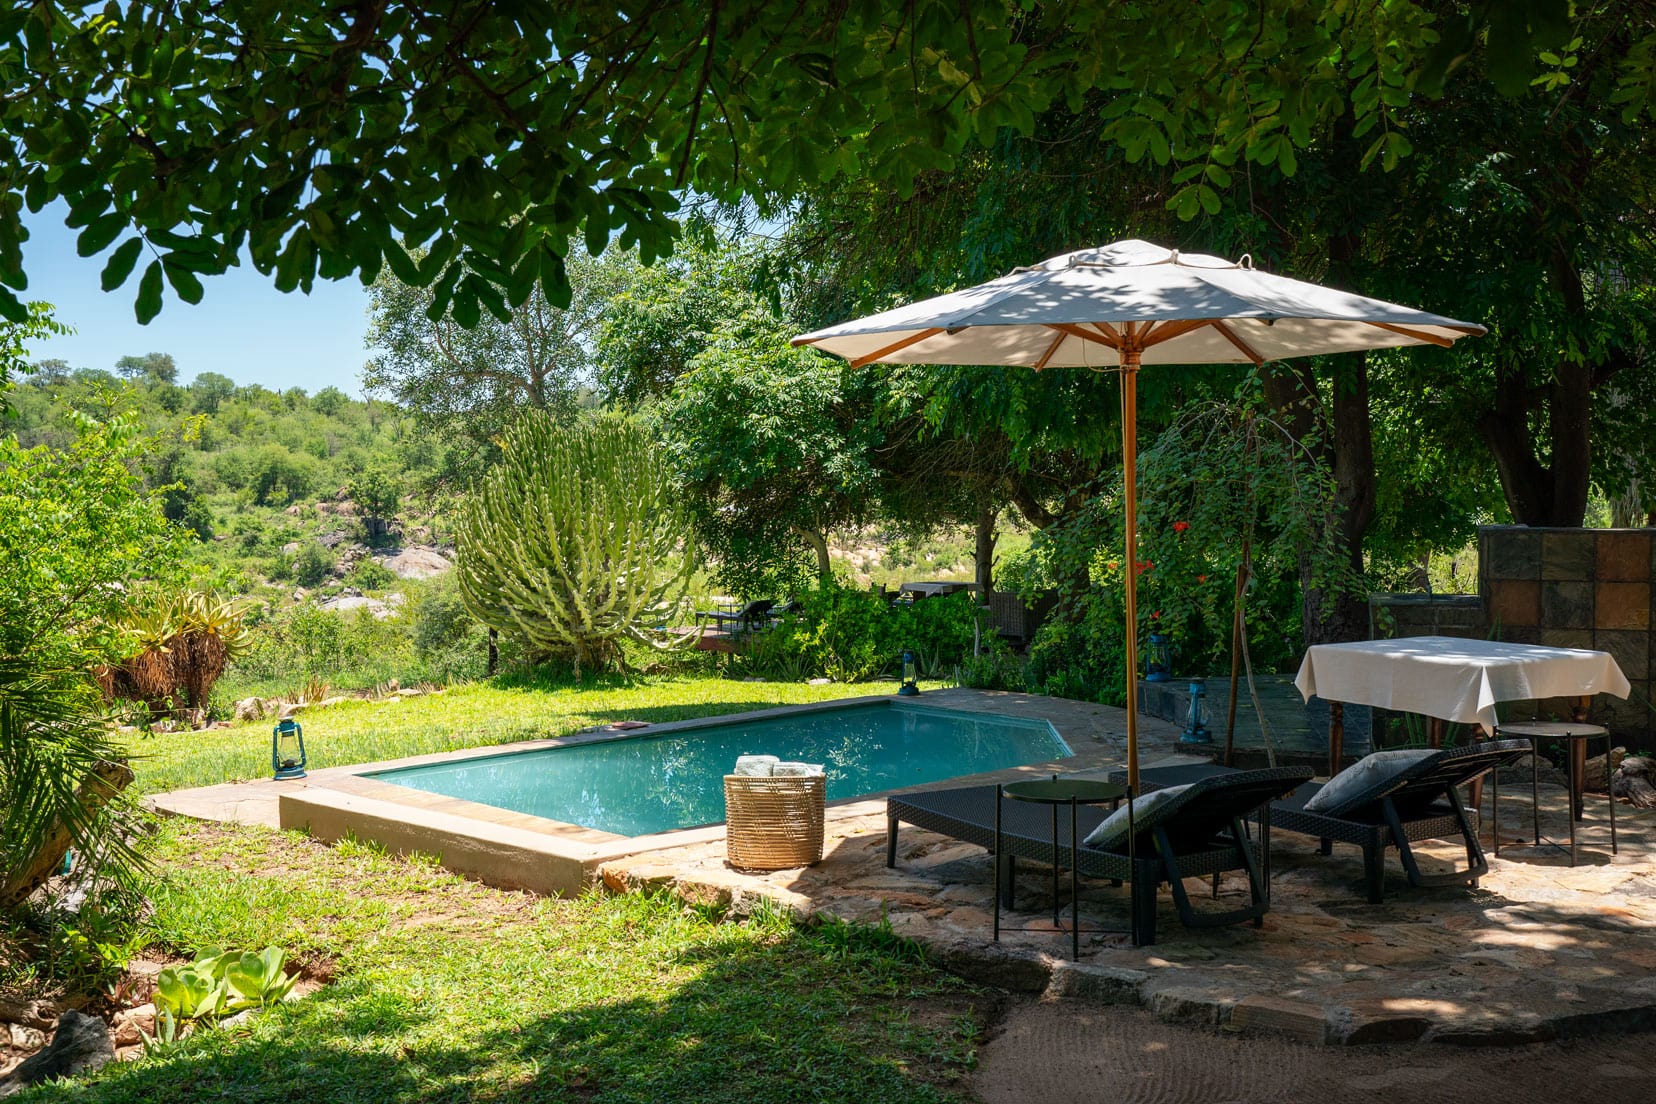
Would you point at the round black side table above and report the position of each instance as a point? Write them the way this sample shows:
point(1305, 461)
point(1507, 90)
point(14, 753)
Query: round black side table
point(1055, 791)
point(1535, 732)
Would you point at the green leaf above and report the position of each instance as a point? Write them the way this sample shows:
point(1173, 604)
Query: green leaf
point(121, 263)
point(12, 309)
point(597, 230)
point(183, 281)
point(149, 294)
point(96, 237)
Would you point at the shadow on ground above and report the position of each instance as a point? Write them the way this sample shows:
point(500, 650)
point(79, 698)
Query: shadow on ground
point(1060, 1052)
point(833, 1015)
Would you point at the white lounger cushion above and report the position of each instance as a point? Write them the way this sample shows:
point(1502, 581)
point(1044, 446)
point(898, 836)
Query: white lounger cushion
point(1114, 828)
point(1367, 773)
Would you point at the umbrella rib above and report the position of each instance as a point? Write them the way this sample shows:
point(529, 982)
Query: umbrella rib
point(896, 346)
point(1110, 332)
point(1167, 331)
point(1051, 349)
point(1073, 330)
point(1418, 335)
point(1242, 346)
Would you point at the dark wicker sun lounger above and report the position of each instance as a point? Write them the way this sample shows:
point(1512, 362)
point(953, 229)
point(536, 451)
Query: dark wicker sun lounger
point(1197, 834)
point(1422, 803)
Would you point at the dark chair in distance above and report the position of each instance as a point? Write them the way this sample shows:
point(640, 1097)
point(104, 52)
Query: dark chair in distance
point(754, 615)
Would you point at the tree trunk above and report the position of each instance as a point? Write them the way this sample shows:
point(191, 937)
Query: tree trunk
point(819, 544)
point(99, 788)
point(1342, 615)
point(1554, 493)
point(984, 550)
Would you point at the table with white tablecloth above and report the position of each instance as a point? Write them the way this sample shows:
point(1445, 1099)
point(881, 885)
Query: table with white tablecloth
point(1450, 679)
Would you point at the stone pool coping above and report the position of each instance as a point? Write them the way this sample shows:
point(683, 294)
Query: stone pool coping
point(519, 851)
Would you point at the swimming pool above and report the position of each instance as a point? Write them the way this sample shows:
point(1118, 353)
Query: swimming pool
point(644, 784)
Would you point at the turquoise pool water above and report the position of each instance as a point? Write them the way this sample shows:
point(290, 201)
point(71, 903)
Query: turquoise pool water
point(637, 785)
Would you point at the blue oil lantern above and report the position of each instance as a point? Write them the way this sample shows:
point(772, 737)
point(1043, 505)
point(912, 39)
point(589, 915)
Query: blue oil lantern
point(911, 675)
point(287, 750)
point(1159, 666)
point(1196, 730)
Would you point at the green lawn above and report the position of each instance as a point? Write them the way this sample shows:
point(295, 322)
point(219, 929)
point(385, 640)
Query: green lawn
point(445, 990)
point(464, 716)
point(441, 989)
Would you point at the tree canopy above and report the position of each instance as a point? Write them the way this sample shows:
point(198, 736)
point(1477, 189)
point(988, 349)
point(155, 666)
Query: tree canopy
point(463, 144)
point(472, 381)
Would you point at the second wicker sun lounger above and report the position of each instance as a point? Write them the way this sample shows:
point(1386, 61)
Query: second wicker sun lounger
point(1422, 802)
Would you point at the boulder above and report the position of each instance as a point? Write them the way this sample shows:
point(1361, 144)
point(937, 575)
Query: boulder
point(419, 562)
point(333, 539)
point(346, 603)
point(79, 1045)
point(1592, 779)
point(132, 1024)
point(249, 709)
point(25, 1038)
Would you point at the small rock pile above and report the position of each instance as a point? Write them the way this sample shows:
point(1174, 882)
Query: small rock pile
point(42, 1041)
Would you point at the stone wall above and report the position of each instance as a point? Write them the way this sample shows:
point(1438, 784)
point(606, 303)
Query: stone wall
point(1569, 588)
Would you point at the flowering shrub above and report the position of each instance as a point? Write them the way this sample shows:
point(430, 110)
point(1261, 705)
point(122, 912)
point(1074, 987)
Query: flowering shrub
point(1222, 487)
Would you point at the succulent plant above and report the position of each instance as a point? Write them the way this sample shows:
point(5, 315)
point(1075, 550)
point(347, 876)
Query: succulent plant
point(575, 541)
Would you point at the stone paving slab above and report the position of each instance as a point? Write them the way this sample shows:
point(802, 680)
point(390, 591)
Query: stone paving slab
point(1537, 951)
point(252, 802)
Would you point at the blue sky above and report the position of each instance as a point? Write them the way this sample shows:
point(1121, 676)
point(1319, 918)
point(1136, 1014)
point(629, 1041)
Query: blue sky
point(242, 328)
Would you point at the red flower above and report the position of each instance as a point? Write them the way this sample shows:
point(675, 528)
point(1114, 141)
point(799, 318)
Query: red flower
point(1180, 526)
point(1156, 616)
point(1145, 566)
point(1201, 578)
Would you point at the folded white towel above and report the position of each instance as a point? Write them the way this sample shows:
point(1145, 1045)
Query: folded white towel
point(797, 770)
point(756, 766)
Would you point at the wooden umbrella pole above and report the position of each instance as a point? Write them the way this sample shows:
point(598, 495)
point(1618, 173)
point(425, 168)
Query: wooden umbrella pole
point(1129, 480)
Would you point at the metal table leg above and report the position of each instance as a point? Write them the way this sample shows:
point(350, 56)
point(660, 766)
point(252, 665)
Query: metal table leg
point(1535, 786)
point(995, 864)
point(1055, 898)
point(1574, 782)
point(1075, 889)
point(1609, 789)
point(1495, 809)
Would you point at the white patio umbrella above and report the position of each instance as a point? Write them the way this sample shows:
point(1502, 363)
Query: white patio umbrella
point(1122, 306)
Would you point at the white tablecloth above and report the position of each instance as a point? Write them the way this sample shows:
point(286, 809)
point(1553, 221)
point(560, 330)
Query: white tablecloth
point(1457, 680)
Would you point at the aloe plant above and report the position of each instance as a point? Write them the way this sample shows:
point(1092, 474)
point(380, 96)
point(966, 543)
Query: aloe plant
point(575, 541)
point(177, 647)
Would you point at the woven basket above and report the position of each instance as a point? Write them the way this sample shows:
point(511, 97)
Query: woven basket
point(773, 823)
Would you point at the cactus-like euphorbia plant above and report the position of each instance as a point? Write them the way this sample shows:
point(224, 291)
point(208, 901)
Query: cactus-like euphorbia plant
point(575, 540)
